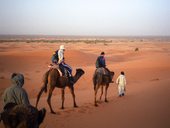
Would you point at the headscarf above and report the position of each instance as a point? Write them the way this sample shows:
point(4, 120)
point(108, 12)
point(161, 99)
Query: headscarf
point(17, 79)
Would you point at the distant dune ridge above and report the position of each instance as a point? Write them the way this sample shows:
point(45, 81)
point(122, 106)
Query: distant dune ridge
point(78, 39)
point(145, 61)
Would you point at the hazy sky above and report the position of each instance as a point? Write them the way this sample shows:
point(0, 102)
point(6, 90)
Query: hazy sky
point(85, 17)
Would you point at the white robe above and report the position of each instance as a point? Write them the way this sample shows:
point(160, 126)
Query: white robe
point(121, 81)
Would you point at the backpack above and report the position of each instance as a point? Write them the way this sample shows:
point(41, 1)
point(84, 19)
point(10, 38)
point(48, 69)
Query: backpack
point(55, 57)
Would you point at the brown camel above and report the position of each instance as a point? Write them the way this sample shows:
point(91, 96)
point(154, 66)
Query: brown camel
point(101, 78)
point(22, 116)
point(55, 80)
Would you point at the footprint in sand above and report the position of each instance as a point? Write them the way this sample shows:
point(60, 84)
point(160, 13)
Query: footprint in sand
point(156, 79)
point(27, 78)
point(2, 77)
point(37, 71)
point(82, 110)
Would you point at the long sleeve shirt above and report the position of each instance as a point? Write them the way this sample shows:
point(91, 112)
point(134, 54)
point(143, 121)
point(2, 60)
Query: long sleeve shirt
point(60, 56)
point(121, 80)
point(100, 62)
point(15, 93)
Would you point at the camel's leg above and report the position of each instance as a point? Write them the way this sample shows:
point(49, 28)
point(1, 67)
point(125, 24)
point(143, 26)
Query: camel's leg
point(106, 88)
point(62, 97)
point(73, 94)
point(49, 98)
point(101, 92)
point(39, 95)
point(95, 95)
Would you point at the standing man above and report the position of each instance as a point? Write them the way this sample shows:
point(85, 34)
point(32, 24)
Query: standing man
point(121, 82)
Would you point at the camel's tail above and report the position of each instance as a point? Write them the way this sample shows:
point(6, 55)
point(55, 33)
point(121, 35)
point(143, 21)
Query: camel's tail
point(45, 80)
point(94, 80)
point(44, 87)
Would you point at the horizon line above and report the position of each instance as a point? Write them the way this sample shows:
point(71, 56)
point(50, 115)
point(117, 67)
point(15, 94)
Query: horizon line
point(84, 35)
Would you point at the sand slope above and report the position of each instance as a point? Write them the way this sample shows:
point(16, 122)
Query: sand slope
point(146, 103)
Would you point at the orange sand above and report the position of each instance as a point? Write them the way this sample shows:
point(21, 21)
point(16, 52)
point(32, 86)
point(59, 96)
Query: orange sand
point(146, 104)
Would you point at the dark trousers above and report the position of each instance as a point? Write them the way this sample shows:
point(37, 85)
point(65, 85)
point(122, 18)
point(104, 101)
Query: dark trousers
point(65, 69)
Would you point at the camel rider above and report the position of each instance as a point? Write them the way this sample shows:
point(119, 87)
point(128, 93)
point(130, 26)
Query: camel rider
point(15, 93)
point(101, 63)
point(58, 58)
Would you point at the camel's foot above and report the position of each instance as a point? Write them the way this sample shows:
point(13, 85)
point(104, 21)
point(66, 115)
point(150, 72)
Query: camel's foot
point(62, 108)
point(75, 106)
point(96, 105)
point(53, 112)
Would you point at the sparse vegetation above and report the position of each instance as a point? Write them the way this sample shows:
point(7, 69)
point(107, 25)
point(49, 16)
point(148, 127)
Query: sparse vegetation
point(87, 41)
point(136, 49)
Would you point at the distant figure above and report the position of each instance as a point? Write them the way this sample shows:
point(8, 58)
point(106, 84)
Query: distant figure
point(58, 58)
point(121, 81)
point(15, 93)
point(101, 66)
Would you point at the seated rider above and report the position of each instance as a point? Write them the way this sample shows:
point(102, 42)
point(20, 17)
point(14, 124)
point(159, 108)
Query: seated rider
point(58, 58)
point(101, 63)
point(16, 94)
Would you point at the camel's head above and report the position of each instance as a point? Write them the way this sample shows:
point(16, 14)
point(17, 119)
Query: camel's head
point(80, 71)
point(21, 116)
point(112, 74)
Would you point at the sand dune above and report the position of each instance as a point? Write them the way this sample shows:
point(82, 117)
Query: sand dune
point(146, 103)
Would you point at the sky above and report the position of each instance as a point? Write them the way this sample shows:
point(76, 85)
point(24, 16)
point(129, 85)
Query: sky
point(85, 17)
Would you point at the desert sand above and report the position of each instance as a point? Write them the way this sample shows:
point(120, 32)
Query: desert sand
point(146, 103)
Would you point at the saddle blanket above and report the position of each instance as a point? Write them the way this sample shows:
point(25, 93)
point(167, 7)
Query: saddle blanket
point(51, 66)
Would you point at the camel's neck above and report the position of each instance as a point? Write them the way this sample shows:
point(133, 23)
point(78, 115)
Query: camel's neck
point(76, 77)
